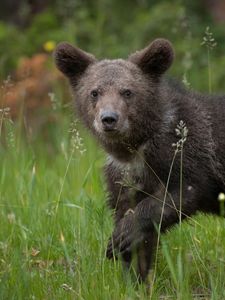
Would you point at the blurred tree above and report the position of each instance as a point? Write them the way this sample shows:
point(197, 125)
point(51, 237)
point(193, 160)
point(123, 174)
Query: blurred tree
point(9, 10)
point(110, 29)
point(217, 9)
point(21, 12)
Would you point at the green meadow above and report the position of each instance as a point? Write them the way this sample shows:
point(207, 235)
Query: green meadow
point(55, 225)
point(54, 220)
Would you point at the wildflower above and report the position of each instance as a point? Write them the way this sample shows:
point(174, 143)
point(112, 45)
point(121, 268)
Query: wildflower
point(76, 139)
point(49, 46)
point(54, 101)
point(5, 111)
point(7, 84)
point(185, 81)
point(208, 39)
point(221, 197)
point(181, 131)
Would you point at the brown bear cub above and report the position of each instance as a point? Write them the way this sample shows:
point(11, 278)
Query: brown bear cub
point(134, 112)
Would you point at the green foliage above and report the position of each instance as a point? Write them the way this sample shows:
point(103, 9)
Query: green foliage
point(107, 30)
point(10, 48)
point(44, 27)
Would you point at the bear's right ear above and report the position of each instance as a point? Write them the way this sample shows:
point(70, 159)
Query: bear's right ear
point(155, 59)
point(72, 61)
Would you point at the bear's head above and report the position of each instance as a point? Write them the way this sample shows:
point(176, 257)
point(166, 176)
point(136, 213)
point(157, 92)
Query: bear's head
point(117, 99)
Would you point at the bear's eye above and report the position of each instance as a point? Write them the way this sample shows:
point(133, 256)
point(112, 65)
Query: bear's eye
point(94, 94)
point(127, 93)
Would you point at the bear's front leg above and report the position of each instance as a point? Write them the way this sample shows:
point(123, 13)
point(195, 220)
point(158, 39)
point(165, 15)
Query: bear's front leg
point(127, 233)
point(136, 227)
point(145, 257)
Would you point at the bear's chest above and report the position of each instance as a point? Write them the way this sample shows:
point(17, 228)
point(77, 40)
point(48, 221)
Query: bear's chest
point(133, 174)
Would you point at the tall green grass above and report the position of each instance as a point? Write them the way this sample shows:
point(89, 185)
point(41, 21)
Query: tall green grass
point(54, 227)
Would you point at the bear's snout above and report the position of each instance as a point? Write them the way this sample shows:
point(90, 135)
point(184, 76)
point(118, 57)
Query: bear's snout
point(109, 120)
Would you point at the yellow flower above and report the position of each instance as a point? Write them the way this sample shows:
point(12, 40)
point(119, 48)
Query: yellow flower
point(49, 46)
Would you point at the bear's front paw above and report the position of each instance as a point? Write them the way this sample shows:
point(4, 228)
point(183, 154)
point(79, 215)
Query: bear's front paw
point(126, 235)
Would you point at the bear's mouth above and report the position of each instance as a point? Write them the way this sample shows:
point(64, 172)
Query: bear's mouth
point(110, 130)
point(110, 133)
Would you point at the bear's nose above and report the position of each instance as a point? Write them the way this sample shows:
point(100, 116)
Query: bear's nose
point(109, 120)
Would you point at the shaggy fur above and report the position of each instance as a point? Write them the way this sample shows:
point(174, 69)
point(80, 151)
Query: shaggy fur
point(133, 111)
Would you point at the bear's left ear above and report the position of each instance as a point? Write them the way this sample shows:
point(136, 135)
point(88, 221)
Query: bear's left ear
point(154, 59)
point(72, 61)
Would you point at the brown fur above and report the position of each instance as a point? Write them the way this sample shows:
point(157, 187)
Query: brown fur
point(133, 111)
